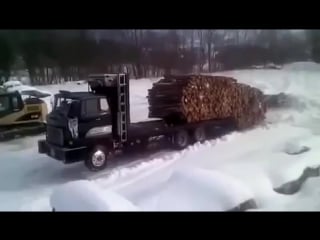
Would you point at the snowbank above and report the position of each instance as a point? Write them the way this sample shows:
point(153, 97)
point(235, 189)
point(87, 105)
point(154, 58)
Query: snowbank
point(267, 66)
point(12, 83)
point(186, 190)
point(24, 88)
point(302, 66)
point(87, 196)
point(197, 190)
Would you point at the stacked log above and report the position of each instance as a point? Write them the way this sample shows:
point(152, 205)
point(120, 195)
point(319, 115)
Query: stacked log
point(196, 97)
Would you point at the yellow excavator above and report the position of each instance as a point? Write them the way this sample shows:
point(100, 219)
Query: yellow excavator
point(21, 117)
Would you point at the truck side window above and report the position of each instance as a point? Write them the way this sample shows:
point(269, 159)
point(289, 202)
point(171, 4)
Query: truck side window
point(92, 107)
point(104, 107)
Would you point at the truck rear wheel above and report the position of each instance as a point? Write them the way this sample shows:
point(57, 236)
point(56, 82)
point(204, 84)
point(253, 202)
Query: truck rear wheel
point(97, 159)
point(180, 139)
point(199, 135)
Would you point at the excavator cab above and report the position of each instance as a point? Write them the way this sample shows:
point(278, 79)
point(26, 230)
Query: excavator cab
point(21, 117)
point(10, 103)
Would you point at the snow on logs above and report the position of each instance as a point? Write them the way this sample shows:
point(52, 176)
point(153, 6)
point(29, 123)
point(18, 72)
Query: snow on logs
point(194, 98)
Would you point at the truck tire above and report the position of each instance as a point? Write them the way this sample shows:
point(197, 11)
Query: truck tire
point(97, 158)
point(199, 135)
point(180, 139)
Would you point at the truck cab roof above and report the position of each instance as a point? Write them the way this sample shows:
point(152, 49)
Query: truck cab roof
point(77, 95)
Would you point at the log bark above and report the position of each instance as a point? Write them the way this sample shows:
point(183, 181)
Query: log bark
point(195, 98)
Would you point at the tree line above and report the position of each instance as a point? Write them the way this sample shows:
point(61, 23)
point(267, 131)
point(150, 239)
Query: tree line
point(52, 56)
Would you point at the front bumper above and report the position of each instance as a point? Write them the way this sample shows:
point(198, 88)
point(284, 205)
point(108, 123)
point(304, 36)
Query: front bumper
point(66, 155)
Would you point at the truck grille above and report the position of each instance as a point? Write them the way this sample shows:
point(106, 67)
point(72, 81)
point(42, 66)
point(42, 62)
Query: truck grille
point(55, 135)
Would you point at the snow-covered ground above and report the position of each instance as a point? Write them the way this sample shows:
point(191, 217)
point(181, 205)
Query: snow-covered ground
point(255, 161)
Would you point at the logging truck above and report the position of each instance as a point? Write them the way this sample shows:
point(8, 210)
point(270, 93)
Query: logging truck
point(94, 126)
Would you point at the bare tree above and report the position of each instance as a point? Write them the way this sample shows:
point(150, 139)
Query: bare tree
point(212, 38)
point(201, 50)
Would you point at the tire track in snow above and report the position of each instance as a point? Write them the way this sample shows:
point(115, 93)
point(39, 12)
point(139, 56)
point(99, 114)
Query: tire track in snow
point(151, 171)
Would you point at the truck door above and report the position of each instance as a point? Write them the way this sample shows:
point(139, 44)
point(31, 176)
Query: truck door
point(95, 113)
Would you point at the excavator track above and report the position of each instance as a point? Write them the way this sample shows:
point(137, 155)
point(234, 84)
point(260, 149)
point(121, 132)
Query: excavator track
point(14, 132)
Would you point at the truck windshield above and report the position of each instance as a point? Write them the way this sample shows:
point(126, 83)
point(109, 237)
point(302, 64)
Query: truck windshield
point(68, 106)
point(60, 102)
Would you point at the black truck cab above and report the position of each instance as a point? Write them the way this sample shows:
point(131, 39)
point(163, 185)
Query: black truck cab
point(78, 115)
point(80, 120)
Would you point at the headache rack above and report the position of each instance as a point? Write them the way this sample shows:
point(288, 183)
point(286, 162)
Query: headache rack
point(116, 88)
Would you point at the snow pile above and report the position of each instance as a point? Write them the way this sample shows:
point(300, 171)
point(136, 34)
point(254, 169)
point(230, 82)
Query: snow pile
point(25, 88)
point(295, 148)
point(267, 66)
point(305, 200)
point(87, 196)
point(302, 66)
point(186, 190)
point(195, 190)
point(12, 83)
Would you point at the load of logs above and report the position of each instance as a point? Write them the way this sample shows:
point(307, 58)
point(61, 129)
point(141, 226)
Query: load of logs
point(194, 98)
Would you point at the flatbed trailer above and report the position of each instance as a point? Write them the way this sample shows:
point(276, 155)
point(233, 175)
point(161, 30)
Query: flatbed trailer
point(143, 130)
point(96, 139)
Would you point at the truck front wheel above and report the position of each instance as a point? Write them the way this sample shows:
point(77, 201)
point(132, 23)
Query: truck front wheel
point(97, 159)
